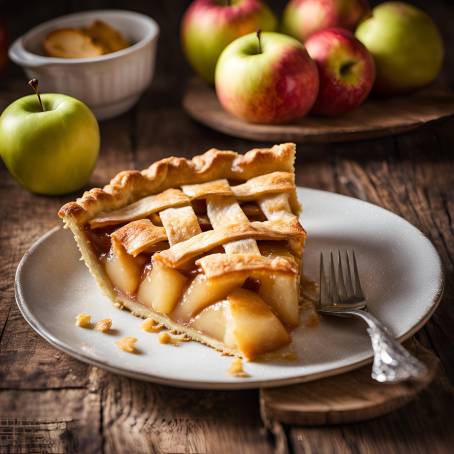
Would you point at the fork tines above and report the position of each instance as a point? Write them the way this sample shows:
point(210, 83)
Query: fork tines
point(343, 286)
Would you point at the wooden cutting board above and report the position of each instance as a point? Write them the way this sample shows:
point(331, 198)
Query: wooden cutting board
point(375, 118)
point(345, 398)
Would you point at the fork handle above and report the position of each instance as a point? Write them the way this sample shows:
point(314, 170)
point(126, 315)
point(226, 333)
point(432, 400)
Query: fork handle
point(392, 362)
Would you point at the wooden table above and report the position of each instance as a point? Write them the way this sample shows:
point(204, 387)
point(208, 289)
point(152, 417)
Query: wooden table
point(52, 403)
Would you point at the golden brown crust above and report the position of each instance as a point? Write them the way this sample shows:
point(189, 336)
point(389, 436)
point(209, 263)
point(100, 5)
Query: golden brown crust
point(129, 186)
point(138, 236)
point(180, 224)
point(204, 190)
point(270, 183)
point(180, 253)
point(219, 264)
point(141, 209)
point(225, 211)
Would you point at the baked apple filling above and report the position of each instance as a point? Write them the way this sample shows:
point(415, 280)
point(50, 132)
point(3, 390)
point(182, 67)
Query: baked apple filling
point(214, 255)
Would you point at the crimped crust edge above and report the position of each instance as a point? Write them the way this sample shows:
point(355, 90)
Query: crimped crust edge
point(128, 186)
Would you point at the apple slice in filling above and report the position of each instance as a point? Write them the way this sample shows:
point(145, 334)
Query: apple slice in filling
point(280, 291)
point(162, 288)
point(255, 328)
point(203, 291)
point(242, 321)
point(212, 321)
point(124, 271)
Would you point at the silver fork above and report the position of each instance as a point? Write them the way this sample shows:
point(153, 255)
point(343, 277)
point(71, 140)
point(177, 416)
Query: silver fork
point(342, 295)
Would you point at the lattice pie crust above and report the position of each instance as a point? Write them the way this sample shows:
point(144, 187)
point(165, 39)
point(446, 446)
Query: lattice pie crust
point(210, 247)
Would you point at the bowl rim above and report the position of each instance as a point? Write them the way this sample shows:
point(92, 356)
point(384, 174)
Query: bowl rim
point(20, 55)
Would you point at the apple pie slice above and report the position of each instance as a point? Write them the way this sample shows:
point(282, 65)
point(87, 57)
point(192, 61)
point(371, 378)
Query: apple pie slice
point(209, 247)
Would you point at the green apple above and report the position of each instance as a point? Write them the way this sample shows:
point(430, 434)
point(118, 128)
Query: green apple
point(50, 147)
point(406, 46)
point(208, 26)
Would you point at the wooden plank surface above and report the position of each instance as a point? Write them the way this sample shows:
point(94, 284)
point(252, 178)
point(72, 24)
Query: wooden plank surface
point(375, 118)
point(58, 421)
point(50, 402)
point(346, 398)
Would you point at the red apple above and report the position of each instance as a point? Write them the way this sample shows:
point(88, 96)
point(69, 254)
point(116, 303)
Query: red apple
point(208, 26)
point(304, 17)
point(267, 78)
point(346, 70)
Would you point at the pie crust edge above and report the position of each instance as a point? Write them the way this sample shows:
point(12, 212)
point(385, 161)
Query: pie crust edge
point(130, 185)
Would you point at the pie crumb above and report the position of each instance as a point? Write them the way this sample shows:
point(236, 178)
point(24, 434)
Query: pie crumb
point(150, 326)
point(127, 344)
point(166, 338)
point(103, 325)
point(83, 321)
point(236, 369)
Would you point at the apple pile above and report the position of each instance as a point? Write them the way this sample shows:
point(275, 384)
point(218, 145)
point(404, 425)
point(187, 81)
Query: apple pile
point(330, 55)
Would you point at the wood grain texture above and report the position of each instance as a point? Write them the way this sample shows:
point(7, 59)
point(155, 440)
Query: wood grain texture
point(345, 398)
point(51, 421)
point(374, 118)
point(165, 419)
point(422, 426)
point(46, 395)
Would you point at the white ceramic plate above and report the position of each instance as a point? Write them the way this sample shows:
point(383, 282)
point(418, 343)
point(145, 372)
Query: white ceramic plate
point(400, 272)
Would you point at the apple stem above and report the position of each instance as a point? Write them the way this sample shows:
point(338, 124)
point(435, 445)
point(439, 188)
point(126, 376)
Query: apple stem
point(34, 84)
point(259, 34)
point(345, 68)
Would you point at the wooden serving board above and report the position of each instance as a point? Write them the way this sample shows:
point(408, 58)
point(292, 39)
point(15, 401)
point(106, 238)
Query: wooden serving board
point(375, 118)
point(345, 398)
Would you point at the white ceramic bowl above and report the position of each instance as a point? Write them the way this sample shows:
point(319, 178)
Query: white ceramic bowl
point(110, 84)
